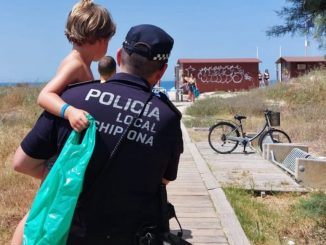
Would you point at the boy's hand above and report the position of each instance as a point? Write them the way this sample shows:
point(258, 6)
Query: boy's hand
point(77, 118)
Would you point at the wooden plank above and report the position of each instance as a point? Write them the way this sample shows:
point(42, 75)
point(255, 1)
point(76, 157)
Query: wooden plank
point(197, 223)
point(203, 232)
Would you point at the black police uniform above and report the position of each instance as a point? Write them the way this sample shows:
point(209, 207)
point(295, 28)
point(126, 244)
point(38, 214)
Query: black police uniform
point(127, 195)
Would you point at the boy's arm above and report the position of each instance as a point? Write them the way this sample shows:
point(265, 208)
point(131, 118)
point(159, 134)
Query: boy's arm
point(50, 100)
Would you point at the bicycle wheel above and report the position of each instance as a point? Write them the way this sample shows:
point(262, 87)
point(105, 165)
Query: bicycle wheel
point(217, 137)
point(273, 136)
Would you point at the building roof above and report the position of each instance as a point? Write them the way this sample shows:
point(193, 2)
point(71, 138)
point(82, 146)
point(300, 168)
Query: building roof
point(227, 60)
point(301, 59)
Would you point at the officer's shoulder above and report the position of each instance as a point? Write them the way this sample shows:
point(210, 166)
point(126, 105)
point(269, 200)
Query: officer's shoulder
point(83, 83)
point(164, 98)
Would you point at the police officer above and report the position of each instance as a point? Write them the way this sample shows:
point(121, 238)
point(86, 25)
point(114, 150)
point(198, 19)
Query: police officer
point(126, 197)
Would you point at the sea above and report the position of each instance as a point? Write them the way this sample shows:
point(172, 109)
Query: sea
point(12, 84)
point(168, 85)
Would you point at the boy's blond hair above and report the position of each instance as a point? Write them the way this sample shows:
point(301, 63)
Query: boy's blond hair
point(88, 22)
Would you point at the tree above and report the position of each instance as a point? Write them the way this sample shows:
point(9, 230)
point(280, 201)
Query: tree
point(303, 17)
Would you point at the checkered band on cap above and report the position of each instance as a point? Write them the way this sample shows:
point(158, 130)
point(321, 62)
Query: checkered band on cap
point(161, 57)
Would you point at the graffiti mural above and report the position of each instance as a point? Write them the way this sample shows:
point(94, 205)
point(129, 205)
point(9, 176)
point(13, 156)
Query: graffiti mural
point(189, 70)
point(223, 74)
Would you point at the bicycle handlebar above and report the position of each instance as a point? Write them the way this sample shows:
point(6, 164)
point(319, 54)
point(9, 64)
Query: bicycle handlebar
point(267, 112)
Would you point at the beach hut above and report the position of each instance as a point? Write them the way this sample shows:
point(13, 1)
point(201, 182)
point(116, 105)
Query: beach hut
point(219, 74)
point(290, 67)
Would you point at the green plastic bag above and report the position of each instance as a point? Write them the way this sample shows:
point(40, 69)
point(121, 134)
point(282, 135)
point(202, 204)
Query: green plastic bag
point(52, 210)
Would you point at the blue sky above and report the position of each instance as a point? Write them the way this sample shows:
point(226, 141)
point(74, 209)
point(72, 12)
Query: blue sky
point(32, 41)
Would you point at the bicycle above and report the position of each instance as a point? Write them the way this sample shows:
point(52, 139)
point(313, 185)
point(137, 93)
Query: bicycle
point(225, 136)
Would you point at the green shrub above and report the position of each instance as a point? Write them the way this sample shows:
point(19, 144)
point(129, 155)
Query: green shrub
point(314, 207)
point(207, 107)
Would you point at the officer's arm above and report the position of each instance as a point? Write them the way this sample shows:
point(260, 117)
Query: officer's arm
point(27, 165)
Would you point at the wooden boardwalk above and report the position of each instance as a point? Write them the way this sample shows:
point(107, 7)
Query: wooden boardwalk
point(201, 206)
point(248, 171)
point(203, 210)
point(194, 207)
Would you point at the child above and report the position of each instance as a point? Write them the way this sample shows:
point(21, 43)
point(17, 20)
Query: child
point(106, 68)
point(89, 43)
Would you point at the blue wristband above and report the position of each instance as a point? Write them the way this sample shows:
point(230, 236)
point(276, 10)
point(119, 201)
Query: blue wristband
point(63, 109)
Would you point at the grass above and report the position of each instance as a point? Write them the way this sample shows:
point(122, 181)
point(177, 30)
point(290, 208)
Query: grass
point(314, 208)
point(280, 218)
point(18, 113)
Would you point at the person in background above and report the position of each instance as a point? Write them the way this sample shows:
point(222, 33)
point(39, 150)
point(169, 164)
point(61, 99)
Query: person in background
point(266, 77)
point(127, 195)
point(192, 86)
point(285, 75)
point(89, 43)
point(260, 79)
point(107, 67)
point(186, 80)
point(184, 86)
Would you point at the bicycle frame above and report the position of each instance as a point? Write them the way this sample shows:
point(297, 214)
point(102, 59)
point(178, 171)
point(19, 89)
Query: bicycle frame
point(245, 139)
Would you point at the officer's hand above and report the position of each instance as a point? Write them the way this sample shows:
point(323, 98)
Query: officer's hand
point(77, 118)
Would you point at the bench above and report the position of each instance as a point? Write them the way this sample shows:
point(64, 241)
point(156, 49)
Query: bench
point(281, 150)
point(288, 164)
point(294, 159)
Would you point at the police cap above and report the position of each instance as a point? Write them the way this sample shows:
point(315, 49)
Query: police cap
point(149, 41)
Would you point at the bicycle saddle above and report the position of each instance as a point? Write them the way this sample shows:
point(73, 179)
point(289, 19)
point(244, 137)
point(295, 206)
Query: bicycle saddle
point(239, 117)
